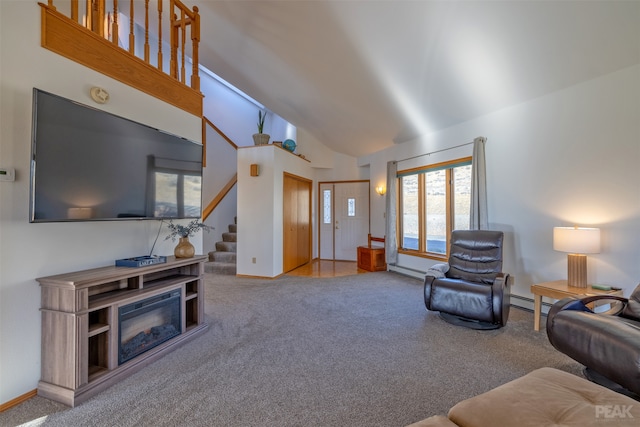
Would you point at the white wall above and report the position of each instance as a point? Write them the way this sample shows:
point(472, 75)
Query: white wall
point(570, 157)
point(28, 251)
point(237, 117)
point(260, 208)
point(220, 168)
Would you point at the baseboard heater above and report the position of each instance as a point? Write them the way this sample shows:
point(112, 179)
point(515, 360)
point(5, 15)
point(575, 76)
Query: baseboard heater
point(516, 300)
point(418, 274)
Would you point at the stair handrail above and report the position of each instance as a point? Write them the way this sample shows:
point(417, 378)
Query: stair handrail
point(222, 193)
point(206, 121)
point(216, 200)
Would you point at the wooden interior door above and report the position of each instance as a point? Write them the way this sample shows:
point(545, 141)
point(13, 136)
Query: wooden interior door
point(296, 221)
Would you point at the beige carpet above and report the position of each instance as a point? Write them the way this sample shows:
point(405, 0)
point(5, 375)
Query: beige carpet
point(350, 351)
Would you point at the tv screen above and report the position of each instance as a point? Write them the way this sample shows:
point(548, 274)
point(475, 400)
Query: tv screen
point(88, 164)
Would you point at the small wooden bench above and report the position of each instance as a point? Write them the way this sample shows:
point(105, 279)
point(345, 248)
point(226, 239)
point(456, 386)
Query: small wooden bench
point(372, 258)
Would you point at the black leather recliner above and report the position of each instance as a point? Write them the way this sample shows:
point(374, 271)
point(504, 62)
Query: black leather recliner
point(607, 344)
point(473, 291)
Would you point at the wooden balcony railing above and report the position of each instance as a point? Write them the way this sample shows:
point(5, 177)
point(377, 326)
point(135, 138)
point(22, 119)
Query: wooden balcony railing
point(117, 37)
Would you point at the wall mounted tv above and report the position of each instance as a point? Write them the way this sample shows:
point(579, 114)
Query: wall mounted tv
point(88, 165)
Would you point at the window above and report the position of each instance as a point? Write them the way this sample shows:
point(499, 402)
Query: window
point(409, 185)
point(351, 207)
point(434, 200)
point(326, 214)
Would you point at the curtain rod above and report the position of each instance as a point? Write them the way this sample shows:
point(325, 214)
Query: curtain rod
point(438, 151)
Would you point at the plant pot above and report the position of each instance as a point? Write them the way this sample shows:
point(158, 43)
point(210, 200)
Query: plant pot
point(261, 138)
point(184, 249)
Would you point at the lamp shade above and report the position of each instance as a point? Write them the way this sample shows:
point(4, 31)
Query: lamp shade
point(576, 240)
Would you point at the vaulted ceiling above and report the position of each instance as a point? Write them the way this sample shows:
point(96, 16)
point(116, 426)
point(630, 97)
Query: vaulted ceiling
point(362, 75)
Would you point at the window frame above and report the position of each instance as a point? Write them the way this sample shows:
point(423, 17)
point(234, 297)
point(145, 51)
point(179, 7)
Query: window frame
point(421, 171)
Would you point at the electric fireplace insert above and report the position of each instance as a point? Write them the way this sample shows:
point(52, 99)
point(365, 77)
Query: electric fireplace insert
point(146, 324)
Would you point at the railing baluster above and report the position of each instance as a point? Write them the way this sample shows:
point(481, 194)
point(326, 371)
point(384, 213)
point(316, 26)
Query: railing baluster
point(173, 66)
point(98, 17)
point(195, 39)
point(146, 31)
point(114, 26)
point(160, 35)
point(132, 37)
point(89, 14)
point(183, 39)
point(74, 10)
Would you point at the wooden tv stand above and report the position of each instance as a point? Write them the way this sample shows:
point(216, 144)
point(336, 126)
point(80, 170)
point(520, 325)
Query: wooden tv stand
point(80, 323)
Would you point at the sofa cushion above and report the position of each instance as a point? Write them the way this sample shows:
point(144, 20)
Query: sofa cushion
point(547, 397)
point(463, 298)
point(475, 255)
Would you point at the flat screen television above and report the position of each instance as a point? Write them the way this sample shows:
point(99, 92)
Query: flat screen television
point(88, 164)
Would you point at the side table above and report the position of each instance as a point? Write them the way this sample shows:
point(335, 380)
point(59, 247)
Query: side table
point(559, 289)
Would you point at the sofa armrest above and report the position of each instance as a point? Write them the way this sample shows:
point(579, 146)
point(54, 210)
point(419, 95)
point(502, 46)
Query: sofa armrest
point(593, 298)
point(428, 282)
point(580, 304)
point(502, 297)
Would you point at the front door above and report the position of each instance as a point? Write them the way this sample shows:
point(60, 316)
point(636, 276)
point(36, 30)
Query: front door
point(344, 219)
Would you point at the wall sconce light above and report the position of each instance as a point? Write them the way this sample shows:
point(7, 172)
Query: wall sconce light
point(577, 241)
point(380, 190)
point(255, 171)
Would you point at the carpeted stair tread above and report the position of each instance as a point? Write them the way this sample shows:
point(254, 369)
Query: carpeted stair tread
point(223, 259)
point(219, 256)
point(217, 267)
point(226, 246)
point(229, 237)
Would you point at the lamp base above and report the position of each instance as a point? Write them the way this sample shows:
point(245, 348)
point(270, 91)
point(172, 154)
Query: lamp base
point(577, 270)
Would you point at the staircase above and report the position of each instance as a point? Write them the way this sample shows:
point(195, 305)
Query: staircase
point(223, 259)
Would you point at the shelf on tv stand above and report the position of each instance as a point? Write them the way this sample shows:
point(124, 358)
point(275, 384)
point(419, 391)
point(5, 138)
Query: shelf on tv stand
point(80, 323)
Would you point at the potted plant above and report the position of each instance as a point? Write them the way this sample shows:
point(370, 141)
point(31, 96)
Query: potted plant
point(261, 138)
point(185, 249)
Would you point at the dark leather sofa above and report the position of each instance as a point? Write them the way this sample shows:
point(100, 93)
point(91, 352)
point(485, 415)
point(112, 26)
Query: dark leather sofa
point(607, 344)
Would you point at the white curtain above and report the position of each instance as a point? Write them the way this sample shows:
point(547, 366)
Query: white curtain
point(391, 240)
point(479, 217)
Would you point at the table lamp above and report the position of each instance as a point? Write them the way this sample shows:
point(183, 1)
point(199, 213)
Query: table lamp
point(577, 241)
